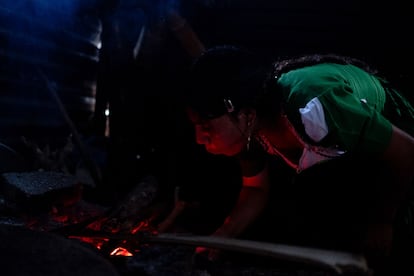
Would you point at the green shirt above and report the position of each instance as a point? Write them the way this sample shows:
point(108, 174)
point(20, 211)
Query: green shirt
point(352, 101)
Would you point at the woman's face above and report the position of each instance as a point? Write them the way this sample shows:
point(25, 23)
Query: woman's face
point(224, 135)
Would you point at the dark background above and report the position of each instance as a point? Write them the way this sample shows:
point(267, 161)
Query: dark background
point(86, 51)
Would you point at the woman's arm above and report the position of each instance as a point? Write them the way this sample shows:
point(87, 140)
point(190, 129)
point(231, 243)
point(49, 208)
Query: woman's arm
point(251, 202)
point(399, 155)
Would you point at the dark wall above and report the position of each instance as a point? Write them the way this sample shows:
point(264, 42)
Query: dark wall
point(376, 32)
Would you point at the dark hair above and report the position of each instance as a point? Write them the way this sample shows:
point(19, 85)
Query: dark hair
point(228, 74)
point(285, 65)
point(225, 78)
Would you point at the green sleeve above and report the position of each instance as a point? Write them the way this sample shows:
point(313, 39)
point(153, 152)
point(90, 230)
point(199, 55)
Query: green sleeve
point(353, 124)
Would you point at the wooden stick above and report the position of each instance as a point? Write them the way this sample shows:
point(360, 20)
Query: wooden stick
point(337, 261)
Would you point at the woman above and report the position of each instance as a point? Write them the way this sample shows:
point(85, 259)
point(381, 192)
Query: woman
point(342, 130)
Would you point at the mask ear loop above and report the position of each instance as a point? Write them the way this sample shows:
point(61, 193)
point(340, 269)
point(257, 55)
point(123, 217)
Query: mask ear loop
point(249, 139)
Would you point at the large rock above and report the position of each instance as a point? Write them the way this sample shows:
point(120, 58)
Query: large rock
point(39, 191)
point(36, 253)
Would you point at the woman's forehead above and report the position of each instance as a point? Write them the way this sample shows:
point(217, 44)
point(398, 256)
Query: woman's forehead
point(196, 118)
point(193, 115)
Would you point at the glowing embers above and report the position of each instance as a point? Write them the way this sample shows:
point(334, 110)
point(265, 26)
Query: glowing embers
point(120, 251)
point(141, 226)
point(112, 247)
point(96, 242)
point(116, 243)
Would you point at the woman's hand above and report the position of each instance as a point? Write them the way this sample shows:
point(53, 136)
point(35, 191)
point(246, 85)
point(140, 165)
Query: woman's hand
point(210, 254)
point(379, 239)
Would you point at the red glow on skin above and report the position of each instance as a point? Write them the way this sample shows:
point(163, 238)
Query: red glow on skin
point(222, 135)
